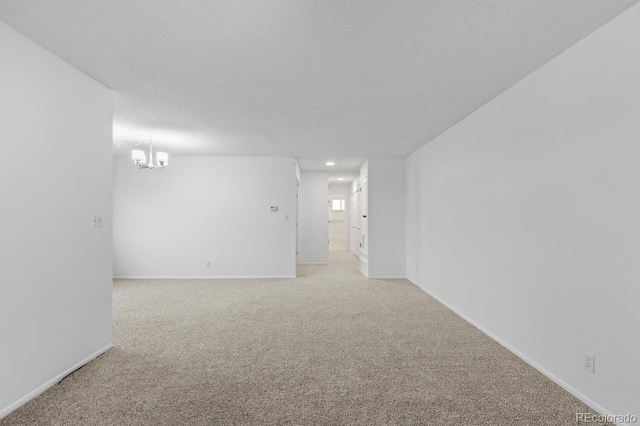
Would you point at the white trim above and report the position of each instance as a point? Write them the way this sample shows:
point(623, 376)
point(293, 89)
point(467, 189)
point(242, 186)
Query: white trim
point(595, 406)
point(40, 389)
point(390, 277)
point(213, 277)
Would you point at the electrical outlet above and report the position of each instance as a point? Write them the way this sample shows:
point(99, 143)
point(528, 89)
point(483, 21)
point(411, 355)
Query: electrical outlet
point(208, 264)
point(96, 221)
point(589, 362)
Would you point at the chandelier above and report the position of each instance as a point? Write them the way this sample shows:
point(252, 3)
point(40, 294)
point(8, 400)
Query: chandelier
point(139, 158)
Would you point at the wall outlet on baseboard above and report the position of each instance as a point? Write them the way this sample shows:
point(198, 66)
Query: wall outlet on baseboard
point(589, 362)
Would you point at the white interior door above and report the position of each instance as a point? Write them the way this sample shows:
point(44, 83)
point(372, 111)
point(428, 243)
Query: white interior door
point(355, 223)
point(364, 227)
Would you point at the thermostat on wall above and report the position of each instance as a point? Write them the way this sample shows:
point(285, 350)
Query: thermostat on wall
point(274, 208)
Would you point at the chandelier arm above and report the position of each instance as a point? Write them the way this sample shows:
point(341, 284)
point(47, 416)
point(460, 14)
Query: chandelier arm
point(140, 161)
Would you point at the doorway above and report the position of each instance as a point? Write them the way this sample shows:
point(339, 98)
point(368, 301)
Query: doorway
point(337, 224)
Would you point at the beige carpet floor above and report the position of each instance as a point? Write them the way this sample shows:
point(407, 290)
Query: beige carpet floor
point(327, 348)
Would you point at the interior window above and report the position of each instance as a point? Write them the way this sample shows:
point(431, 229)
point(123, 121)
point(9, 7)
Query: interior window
point(337, 204)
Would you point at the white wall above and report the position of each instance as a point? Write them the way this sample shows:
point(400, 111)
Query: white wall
point(55, 295)
point(525, 217)
point(386, 217)
point(313, 217)
point(205, 209)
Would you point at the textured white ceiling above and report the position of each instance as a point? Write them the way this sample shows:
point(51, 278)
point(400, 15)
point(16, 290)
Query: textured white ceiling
point(314, 79)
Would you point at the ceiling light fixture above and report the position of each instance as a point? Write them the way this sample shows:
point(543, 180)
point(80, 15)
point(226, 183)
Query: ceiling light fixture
point(139, 158)
point(330, 163)
point(340, 178)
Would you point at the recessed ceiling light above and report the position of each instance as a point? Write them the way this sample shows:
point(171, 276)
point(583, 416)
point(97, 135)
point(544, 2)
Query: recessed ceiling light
point(340, 178)
point(330, 163)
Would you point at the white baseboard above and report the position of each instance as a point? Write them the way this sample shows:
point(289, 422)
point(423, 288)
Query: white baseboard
point(180, 277)
point(40, 389)
point(588, 401)
point(390, 277)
